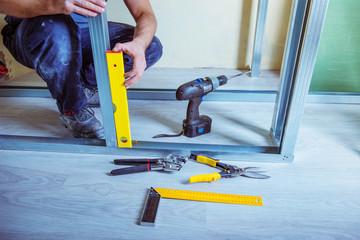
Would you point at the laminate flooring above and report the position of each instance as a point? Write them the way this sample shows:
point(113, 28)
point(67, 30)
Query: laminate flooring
point(232, 123)
point(70, 196)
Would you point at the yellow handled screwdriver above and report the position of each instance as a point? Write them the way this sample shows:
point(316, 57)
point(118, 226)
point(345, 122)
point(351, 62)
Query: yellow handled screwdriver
point(227, 170)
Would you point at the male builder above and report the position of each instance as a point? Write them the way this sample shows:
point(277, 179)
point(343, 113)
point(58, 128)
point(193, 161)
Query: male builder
point(52, 37)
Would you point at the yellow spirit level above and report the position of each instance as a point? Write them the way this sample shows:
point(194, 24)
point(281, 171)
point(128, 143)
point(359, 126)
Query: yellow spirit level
point(119, 98)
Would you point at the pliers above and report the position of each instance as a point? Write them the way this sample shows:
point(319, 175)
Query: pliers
point(169, 163)
point(227, 170)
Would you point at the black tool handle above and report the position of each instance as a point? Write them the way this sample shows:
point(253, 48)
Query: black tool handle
point(136, 161)
point(192, 113)
point(137, 169)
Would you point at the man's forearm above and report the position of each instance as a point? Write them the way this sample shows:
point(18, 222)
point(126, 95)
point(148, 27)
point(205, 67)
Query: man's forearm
point(33, 8)
point(144, 33)
point(146, 23)
point(145, 29)
point(23, 8)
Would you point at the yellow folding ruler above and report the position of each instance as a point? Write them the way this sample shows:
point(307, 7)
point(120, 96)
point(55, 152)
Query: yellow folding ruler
point(155, 194)
point(119, 98)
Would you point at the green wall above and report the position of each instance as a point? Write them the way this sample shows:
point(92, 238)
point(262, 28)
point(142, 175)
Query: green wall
point(337, 66)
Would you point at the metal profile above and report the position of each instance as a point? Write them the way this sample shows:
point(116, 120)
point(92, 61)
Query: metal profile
point(218, 95)
point(305, 67)
point(288, 67)
point(149, 149)
point(100, 42)
point(259, 37)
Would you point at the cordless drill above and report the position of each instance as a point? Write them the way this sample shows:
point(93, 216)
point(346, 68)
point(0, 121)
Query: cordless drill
point(195, 124)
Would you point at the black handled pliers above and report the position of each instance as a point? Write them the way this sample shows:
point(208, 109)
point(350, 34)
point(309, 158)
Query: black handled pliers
point(169, 163)
point(227, 170)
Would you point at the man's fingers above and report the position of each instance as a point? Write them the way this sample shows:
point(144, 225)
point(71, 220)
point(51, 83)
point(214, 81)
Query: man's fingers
point(129, 74)
point(83, 11)
point(88, 7)
point(119, 47)
point(91, 4)
point(131, 81)
point(132, 77)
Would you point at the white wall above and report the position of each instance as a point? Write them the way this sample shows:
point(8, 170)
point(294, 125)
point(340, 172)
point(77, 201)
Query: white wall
point(213, 33)
point(203, 33)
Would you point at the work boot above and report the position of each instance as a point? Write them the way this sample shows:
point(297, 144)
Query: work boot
point(92, 96)
point(83, 124)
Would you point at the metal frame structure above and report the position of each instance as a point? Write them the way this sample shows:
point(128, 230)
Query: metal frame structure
point(306, 23)
point(259, 37)
point(99, 35)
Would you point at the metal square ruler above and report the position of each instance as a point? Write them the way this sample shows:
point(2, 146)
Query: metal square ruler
point(155, 194)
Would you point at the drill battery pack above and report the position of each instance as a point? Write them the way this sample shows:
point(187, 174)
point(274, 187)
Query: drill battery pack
point(197, 127)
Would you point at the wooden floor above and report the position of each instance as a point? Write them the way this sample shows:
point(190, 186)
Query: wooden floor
point(70, 196)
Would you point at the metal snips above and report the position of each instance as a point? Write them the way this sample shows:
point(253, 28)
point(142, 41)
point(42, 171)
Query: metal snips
point(227, 170)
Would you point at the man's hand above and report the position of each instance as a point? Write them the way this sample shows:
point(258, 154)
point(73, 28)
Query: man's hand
point(84, 7)
point(137, 53)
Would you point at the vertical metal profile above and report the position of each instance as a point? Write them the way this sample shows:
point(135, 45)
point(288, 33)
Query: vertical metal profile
point(302, 76)
point(100, 42)
point(289, 61)
point(259, 37)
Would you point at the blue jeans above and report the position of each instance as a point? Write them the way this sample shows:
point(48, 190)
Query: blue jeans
point(60, 51)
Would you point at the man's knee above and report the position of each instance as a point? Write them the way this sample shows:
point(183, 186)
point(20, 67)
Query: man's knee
point(153, 52)
point(56, 34)
point(52, 47)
